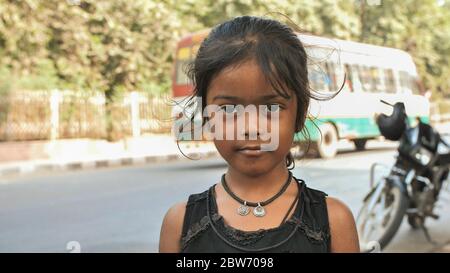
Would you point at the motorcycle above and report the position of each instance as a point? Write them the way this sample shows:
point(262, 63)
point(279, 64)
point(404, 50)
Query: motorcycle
point(410, 187)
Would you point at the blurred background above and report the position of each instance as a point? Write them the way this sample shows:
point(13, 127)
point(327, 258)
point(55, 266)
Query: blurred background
point(88, 160)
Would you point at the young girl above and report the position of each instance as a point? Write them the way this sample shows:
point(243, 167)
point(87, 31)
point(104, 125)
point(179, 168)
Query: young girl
point(257, 205)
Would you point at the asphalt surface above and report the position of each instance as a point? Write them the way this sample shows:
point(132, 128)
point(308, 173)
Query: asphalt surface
point(120, 209)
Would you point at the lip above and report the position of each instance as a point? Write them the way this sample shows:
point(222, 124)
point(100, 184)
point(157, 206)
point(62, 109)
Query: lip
point(250, 147)
point(251, 150)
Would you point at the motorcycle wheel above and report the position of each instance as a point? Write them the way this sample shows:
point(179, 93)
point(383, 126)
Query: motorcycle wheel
point(385, 217)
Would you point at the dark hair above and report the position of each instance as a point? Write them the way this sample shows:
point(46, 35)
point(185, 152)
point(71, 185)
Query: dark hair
point(275, 47)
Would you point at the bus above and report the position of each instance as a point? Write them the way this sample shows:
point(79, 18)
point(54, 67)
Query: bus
point(366, 73)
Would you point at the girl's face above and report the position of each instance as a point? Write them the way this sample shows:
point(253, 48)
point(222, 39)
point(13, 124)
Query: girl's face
point(246, 85)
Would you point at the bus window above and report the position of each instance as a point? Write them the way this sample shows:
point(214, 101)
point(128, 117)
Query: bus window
point(408, 83)
point(331, 72)
point(348, 77)
point(415, 85)
point(389, 81)
point(181, 77)
point(404, 82)
point(184, 54)
point(319, 79)
point(357, 79)
point(323, 69)
point(366, 78)
point(183, 58)
point(376, 79)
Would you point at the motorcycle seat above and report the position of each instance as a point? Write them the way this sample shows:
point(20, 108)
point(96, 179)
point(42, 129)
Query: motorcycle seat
point(443, 150)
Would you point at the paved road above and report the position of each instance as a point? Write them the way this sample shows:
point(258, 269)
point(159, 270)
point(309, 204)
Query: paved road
point(120, 209)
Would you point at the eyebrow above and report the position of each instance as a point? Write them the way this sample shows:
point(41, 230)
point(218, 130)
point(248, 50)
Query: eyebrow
point(225, 97)
point(262, 98)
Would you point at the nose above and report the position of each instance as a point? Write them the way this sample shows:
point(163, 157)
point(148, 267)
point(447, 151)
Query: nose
point(250, 127)
point(251, 135)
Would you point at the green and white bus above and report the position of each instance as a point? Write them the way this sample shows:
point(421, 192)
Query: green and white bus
point(370, 72)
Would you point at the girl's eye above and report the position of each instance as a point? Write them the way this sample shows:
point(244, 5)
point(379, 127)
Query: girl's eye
point(271, 108)
point(228, 109)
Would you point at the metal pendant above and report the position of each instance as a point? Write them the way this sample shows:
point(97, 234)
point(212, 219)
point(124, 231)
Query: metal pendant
point(243, 210)
point(259, 211)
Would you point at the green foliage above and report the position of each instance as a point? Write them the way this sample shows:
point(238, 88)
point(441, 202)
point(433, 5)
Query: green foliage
point(97, 44)
point(421, 27)
point(5, 82)
point(117, 46)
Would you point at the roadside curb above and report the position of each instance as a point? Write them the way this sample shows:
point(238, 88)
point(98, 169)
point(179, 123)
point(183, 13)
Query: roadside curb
point(27, 167)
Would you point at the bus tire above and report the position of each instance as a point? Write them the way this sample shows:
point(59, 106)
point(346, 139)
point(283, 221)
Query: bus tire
point(360, 144)
point(328, 142)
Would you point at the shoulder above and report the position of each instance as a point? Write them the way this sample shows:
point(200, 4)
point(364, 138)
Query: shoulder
point(344, 237)
point(337, 210)
point(175, 213)
point(171, 228)
point(174, 220)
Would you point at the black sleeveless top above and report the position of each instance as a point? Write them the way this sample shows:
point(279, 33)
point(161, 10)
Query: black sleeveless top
point(307, 230)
